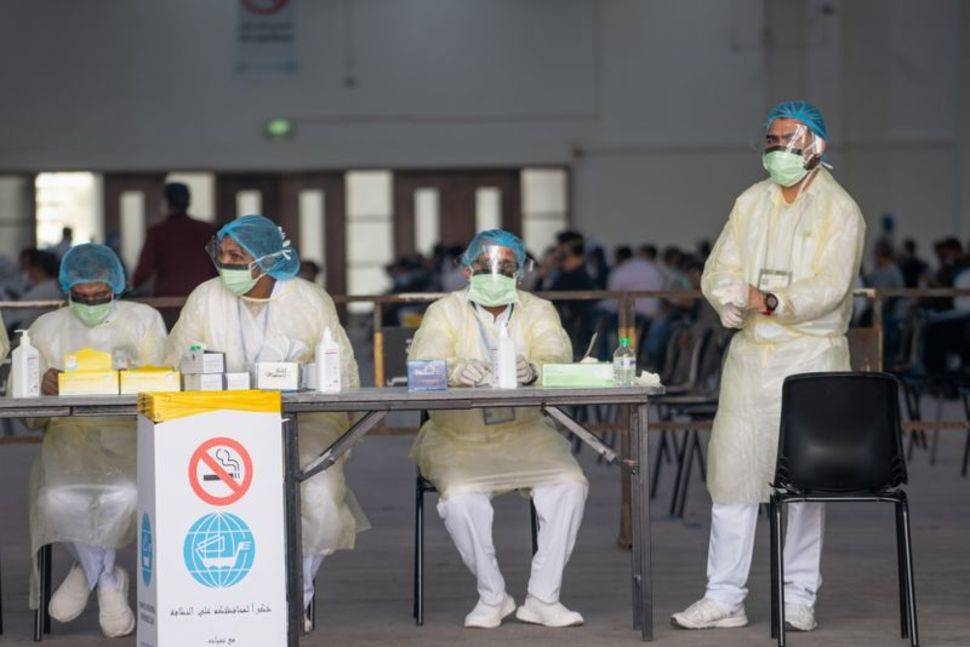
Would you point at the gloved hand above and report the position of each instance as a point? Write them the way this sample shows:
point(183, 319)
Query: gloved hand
point(471, 372)
point(525, 372)
point(732, 316)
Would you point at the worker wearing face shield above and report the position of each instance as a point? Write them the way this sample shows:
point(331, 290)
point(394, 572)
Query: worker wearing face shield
point(82, 486)
point(257, 309)
point(473, 455)
point(782, 273)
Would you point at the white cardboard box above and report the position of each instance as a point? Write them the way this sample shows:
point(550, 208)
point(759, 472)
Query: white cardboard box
point(196, 361)
point(211, 571)
point(203, 382)
point(237, 381)
point(276, 376)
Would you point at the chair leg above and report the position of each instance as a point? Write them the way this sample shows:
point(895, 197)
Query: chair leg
point(910, 586)
point(694, 450)
point(419, 556)
point(41, 621)
point(901, 565)
point(773, 568)
point(48, 589)
point(535, 526)
point(779, 582)
point(680, 450)
point(662, 452)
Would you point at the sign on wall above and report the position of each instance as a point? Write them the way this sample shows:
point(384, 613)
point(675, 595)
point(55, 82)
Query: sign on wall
point(266, 37)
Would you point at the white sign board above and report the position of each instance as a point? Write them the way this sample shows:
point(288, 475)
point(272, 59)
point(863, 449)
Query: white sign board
point(266, 37)
point(211, 539)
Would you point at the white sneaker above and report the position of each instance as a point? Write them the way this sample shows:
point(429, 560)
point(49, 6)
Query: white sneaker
point(708, 614)
point(114, 614)
point(71, 597)
point(488, 616)
point(800, 617)
point(551, 615)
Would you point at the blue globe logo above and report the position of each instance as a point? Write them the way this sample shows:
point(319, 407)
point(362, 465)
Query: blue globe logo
point(219, 550)
point(147, 549)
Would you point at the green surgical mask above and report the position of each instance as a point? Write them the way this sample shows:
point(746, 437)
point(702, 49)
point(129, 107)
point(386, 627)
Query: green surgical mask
point(91, 315)
point(784, 168)
point(491, 290)
point(239, 282)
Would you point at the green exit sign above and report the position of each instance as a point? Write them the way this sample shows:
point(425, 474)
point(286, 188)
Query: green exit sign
point(278, 128)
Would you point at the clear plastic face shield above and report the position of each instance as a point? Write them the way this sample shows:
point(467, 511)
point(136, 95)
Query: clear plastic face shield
point(232, 256)
point(791, 151)
point(493, 276)
point(496, 260)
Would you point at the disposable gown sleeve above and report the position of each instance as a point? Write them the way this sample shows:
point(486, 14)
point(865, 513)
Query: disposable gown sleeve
point(548, 341)
point(189, 327)
point(723, 279)
point(435, 339)
point(835, 272)
point(4, 340)
point(151, 348)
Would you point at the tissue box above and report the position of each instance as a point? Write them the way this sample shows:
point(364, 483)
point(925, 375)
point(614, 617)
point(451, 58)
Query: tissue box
point(88, 359)
point(149, 379)
point(427, 375)
point(599, 374)
point(88, 382)
point(276, 376)
point(197, 362)
point(203, 382)
point(237, 381)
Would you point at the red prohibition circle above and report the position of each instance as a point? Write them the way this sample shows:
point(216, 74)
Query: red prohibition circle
point(265, 7)
point(201, 455)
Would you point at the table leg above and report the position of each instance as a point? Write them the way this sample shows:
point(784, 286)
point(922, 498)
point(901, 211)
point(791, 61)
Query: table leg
point(294, 544)
point(643, 580)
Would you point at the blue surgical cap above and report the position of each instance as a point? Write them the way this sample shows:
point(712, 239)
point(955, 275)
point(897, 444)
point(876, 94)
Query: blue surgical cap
point(264, 240)
point(91, 263)
point(802, 111)
point(494, 237)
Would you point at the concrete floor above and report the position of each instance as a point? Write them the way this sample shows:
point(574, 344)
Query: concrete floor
point(365, 595)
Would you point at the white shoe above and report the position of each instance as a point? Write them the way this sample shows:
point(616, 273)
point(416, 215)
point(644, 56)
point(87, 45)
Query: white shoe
point(71, 597)
point(307, 624)
point(114, 614)
point(800, 617)
point(708, 614)
point(550, 615)
point(488, 616)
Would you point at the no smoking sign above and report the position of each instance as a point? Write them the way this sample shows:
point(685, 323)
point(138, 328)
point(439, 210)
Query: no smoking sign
point(220, 471)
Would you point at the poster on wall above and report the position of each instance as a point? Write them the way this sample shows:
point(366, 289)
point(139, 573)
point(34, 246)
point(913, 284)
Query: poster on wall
point(266, 37)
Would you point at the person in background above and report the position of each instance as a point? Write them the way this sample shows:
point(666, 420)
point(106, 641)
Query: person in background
point(885, 274)
point(41, 274)
point(911, 265)
point(576, 314)
point(647, 252)
point(173, 254)
point(791, 305)
point(67, 241)
point(82, 485)
point(597, 267)
point(309, 271)
point(634, 274)
point(259, 310)
point(474, 455)
point(452, 276)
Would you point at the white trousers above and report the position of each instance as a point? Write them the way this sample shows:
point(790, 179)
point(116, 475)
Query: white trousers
point(311, 564)
point(732, 544)
point(97, 563)
point(468, 518)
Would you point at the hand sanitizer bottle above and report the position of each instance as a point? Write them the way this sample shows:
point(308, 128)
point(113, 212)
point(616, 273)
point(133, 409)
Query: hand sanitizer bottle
point(25, 371)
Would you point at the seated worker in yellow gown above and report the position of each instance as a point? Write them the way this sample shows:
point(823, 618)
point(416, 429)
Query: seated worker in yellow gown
point(473, 455)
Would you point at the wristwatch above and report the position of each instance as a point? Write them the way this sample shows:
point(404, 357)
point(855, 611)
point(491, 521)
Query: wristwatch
point(771, 303)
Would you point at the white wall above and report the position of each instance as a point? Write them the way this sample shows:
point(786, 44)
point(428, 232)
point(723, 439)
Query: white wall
point(656, 105)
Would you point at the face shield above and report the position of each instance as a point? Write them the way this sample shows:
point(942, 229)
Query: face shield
point(494, 275)
point(791, 151)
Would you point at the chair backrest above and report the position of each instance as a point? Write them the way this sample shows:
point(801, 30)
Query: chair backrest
point(840, 433)
point(397, 343)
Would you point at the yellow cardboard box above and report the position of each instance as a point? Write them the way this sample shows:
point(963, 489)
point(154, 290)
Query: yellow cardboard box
point(150, 379)
point(87, 383)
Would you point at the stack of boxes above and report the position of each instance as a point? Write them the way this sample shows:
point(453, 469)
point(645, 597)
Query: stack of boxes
point(205, 370)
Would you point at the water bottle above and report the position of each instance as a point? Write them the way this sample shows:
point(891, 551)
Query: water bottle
point(624, 364)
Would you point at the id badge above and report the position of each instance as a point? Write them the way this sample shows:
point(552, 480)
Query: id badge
point(498, 416)
point(771, 280)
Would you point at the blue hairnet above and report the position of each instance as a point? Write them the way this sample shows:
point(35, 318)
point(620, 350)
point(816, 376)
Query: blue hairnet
point(494, 237)
point(264, 240)
point(804, 112)
point(91, 263)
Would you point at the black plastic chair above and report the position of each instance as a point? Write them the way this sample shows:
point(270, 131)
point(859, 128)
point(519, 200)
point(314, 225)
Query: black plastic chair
point(841, 441)
point(42, 618)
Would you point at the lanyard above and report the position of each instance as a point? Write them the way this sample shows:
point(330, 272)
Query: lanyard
point(481, 328)
point(242, 335)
